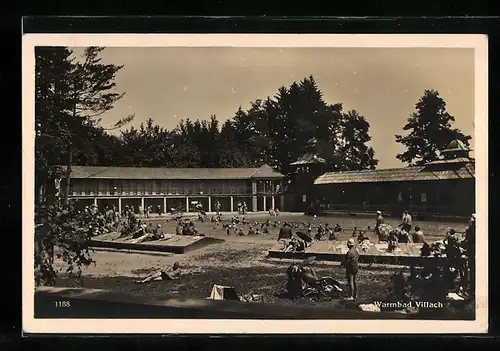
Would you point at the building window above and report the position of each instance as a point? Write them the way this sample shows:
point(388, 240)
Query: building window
point(423, 197)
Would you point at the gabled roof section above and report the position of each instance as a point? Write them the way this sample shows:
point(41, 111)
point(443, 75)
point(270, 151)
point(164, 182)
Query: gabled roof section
point(417, 173)
point(266, 171)
point(307, 159)
point(91, 172)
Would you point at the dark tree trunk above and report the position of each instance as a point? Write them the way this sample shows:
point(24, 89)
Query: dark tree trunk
point(68, 175)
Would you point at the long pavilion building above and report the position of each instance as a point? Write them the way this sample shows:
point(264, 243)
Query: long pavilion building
point(445, 187)
point(180, 188)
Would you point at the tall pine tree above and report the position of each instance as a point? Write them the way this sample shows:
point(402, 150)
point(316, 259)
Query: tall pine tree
point(430, 130)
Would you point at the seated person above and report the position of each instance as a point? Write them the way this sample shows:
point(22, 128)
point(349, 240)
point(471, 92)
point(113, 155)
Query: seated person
point(308, 275)
point(425, 251)
point(319, 234)
point(403, 237)
point(240, 232)
point(168, 274)
point(179, 228)
point(190, 230)
point(138, 231)
point(362, 236)
point(158, 233)
point(295, 244)
point(333, 235)
point(285, 232)
point(393, 240)
point(418, 236)
point(251, 231)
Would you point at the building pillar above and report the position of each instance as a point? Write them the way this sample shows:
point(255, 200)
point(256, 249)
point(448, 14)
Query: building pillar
point(254, 196)
point(95, 201)
point(209, 204)
point(272, 203)
point(187, 203)
point(119, 205)
point(232, 204)
point(265, 205)
point(282, 203)
point(142, 204)
point(164, 205)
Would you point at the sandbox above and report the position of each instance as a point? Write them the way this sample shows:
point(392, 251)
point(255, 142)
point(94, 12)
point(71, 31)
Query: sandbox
point(177, 244)
point(405, 254)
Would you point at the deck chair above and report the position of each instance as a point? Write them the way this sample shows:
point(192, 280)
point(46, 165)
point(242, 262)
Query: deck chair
point(222, 292)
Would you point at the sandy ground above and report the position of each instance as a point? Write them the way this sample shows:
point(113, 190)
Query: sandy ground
point(239, 262)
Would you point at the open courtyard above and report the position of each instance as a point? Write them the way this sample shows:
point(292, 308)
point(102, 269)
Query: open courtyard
point(240, 262)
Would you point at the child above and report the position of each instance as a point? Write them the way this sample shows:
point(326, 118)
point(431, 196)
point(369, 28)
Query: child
point(351, 268)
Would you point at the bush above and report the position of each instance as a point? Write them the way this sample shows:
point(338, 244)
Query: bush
point(64, 233)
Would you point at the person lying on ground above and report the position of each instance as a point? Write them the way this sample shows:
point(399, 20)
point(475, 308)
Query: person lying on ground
point(173, 273)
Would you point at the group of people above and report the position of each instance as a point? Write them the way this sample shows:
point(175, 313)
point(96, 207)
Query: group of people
point(242, 207)
point(186, 227)
point(274, 212)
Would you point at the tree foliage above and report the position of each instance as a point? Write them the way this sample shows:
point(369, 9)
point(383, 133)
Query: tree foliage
point(70, 97)
point(275, 131)
point(430, 130)
point(63, 233)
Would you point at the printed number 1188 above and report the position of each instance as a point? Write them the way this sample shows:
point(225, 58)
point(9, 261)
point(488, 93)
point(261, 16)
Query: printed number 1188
point(62, 303)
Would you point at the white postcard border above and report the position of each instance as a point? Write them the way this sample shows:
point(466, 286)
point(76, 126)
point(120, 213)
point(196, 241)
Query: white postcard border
point(193, 326)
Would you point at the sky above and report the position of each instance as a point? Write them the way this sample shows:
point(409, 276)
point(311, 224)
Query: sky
point(382, 84)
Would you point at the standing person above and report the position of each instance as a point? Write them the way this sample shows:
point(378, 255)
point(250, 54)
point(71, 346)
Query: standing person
point(217, 208)
point(378, 222)
point(350, 264)
point(158, 210)
point(245, 207)
point(141, 211)
point(148, 209)
point(406, 221)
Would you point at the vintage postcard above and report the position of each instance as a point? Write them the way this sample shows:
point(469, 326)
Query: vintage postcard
point(255, 184)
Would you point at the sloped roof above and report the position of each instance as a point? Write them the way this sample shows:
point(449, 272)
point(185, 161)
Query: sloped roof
point(308, 159)
point(266, 171)
point(420, 173)
point(81, 172)
point(453, 160)
point(456, 146)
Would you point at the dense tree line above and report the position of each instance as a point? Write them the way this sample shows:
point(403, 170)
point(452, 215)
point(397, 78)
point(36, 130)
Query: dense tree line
point(276, 131)
point(72, 95)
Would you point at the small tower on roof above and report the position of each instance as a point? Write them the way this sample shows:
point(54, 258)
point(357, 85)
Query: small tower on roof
point(306, 169)
point(309, 162)
point(456, 150)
